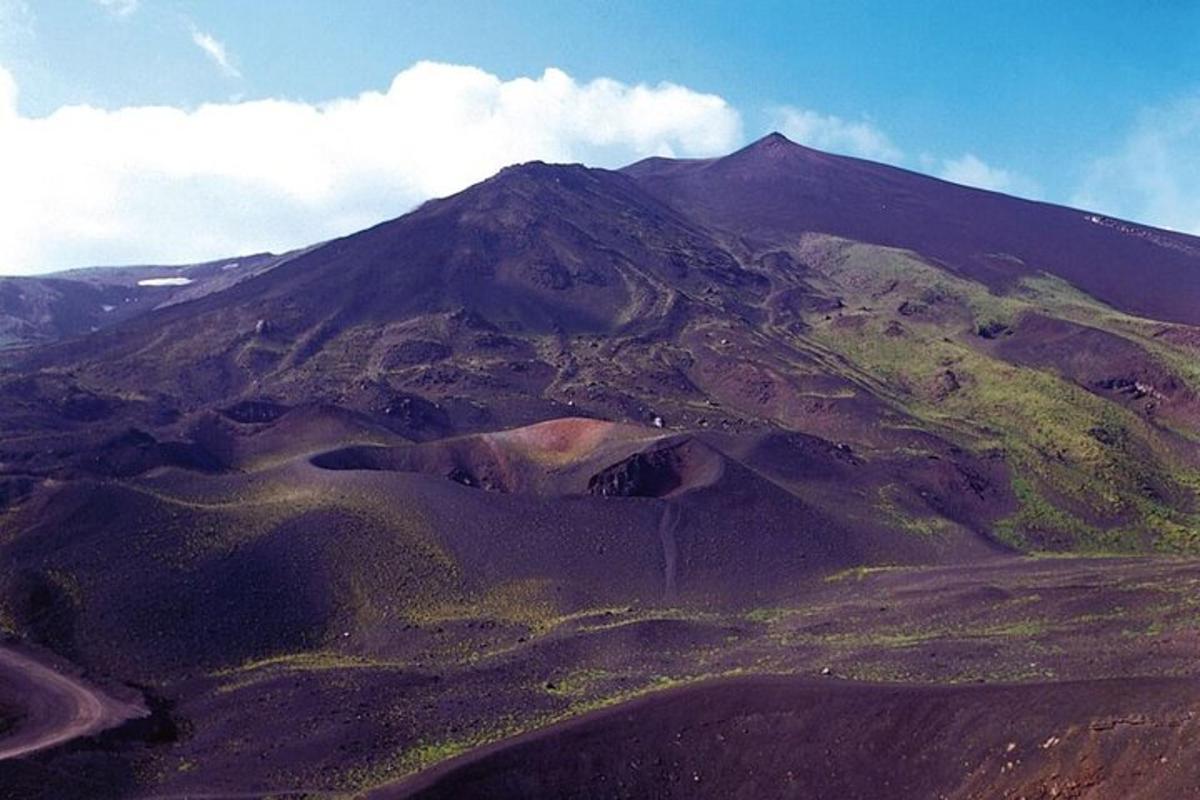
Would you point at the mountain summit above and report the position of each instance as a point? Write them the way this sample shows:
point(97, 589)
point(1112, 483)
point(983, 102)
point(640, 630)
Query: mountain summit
point(778, 286)
point(525, 451)
point(776, 190)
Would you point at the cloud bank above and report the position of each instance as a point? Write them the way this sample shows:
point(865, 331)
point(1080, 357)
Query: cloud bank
point(970, 170)
point(863, 139)
point(157, 184)
point(1154, 174)
point(160, 184)
point(834, 134)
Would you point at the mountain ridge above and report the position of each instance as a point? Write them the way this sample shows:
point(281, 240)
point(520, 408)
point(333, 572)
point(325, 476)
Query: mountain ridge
point(575, 435)
point(862, 191)
point(550, 290)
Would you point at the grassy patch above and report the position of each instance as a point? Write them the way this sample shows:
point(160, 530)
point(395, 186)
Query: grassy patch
point(1038, 515)
point(887, 503)
point(1067, 448)
point(579, 683)
point(858, 573)
point(429, 752)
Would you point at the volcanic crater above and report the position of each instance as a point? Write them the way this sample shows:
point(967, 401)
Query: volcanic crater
point(781, 474)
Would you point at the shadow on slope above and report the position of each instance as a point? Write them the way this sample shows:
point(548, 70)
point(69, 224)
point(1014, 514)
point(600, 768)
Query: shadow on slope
point(789, 738)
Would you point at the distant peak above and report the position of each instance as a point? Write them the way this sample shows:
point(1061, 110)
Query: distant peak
point(772, 152)
point(774, 138)
point(541, 170)
point(774, 141)
point(773, 146)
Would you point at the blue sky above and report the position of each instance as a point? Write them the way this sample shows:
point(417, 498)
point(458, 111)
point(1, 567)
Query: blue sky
point(1082, 103)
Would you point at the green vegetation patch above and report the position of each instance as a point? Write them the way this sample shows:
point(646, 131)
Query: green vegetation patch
point(888, 505)
point(915, 332)
point(859, 573)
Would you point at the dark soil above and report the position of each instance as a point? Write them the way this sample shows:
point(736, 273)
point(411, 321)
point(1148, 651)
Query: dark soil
point(572, 437)
point(787, 738)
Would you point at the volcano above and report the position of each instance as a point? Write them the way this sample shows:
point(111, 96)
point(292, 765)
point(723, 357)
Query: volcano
point(438, 496)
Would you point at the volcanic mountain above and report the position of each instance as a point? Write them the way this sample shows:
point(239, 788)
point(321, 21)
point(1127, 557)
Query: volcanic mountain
point(35, 310)
point(575, 434)
point(774, 191)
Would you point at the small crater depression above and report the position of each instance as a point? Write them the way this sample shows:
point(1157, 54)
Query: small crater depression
point(254, 412)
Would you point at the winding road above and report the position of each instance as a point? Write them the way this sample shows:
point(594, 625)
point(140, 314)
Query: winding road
point(54, 707)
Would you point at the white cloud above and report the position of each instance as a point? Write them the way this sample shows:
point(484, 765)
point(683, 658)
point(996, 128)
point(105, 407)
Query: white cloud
point(160, 184)
point(120, 8)
point(835, 134)
point(970, 170)
point(865, 140)
point(216, 52)
point(1154, 174)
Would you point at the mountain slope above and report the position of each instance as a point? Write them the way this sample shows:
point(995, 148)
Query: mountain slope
point(774, 190)
point(46, 308)
point(574, 434)
point(738, 294)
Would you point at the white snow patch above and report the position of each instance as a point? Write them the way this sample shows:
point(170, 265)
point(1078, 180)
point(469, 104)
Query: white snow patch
point(231, 265)
point(165, 282)
point(108, 309)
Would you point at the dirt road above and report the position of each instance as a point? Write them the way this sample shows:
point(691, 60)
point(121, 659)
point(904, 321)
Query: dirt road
point(54, 707)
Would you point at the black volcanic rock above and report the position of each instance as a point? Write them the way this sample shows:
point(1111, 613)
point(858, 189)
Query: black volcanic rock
point(651, 474)
point(573, 434)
